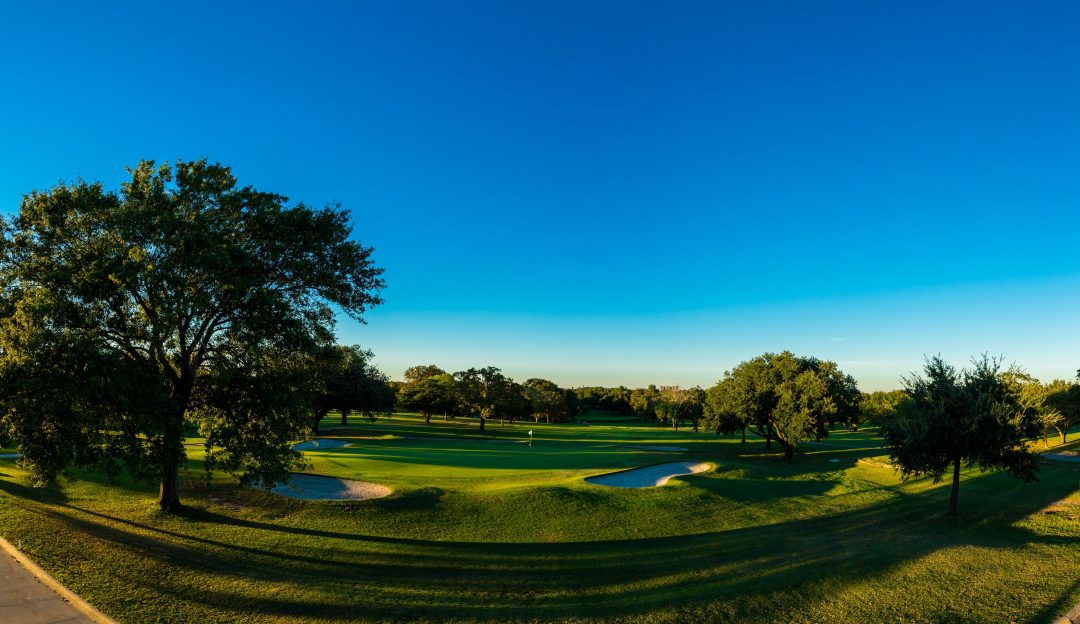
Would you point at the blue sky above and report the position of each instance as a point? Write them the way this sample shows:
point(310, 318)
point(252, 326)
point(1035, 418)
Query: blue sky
point(614, 192)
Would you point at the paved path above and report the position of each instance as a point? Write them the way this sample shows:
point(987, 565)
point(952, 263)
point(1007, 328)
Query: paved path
point(30, 596)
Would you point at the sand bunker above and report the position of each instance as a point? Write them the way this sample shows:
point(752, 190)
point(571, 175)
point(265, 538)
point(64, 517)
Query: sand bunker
point(321, 444)
point(1064, 456)
point(653, 447)
point(313, 487)
point(649, 476)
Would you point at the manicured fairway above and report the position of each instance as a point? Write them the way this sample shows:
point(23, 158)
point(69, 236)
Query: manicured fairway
point(487, 529)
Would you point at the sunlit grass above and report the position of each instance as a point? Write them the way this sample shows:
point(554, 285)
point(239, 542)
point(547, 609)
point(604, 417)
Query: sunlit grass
point(483, 529)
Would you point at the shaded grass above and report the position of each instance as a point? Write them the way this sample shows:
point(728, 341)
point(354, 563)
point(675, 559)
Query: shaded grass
point(488, 531)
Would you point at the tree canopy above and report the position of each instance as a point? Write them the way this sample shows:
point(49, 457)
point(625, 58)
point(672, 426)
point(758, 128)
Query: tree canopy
point(163, 304)
point(549, 402)
point(1063, 397)
point(676, 405)
point(968, 417)
point(428, 389)
point(344, 379)
point(782, 397)
point(878, 407)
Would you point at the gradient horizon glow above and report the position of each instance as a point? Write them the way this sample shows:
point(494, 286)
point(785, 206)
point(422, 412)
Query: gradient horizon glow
point(614, 192)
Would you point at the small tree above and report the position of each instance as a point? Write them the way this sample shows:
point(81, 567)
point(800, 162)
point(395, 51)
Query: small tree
point(1064, 398)
point(968, 417)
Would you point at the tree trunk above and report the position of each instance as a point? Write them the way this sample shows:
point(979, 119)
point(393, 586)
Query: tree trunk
point(955, 494)
point(427, 418)
point(319, 415)
point(172, 453)
point(169, 493)
point(744, 435)
point(1064, 436)
point(789, 449)
point(481, 423)
point(344, 417)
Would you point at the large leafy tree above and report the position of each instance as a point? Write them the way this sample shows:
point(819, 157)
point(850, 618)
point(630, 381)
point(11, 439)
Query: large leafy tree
point(488, 394)
point(167, 303)
point(783, 397)
point(956, 417)
point(428, 389)
point(550, 402)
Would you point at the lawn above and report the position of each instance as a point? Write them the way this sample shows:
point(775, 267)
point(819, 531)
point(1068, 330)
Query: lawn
point(484, 528)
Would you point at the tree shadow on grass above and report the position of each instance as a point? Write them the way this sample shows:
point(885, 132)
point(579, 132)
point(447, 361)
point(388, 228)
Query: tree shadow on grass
point(52, 493)
point(1060, 606)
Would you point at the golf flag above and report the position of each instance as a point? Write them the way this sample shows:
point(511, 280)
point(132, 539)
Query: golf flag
point(530, 431)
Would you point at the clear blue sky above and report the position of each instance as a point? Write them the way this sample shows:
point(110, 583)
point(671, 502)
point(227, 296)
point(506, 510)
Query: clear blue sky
point(614, 192)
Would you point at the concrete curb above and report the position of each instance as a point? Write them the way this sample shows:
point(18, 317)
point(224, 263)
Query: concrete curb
point(81, 605)
point(1072, 617)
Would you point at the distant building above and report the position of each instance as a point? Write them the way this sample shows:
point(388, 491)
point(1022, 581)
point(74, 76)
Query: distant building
point(668, 388)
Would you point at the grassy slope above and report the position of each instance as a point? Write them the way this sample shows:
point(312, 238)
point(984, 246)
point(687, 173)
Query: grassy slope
point(491, 530)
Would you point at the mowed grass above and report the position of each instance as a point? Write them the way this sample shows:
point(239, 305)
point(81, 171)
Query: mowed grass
point(483, 528)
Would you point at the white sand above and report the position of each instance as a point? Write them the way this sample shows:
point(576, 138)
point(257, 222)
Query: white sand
point(1064, 456)
point(653, 447)
point(322, 444)
point(313, 487)
point(649, 476)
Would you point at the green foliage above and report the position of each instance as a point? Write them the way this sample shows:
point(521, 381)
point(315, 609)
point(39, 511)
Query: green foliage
point(972, 416)
point(549, 402)
point(251, 404)
point(428, 389)
point(607, 399)
point(643, 402)
point(423, 371)
point(675, 406)
point(783, 397)
point(1063, 398)
point(160, 292)
point(343, 379)
point(487, 393)
point(877, 408)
